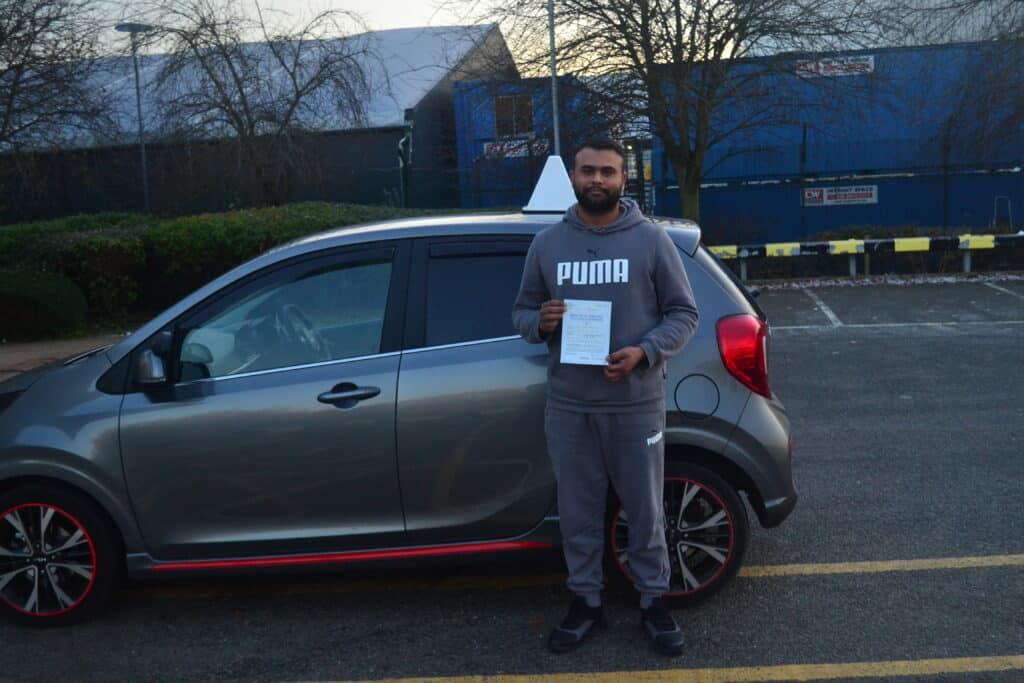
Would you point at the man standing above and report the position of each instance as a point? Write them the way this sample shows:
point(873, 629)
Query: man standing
point(605, 423)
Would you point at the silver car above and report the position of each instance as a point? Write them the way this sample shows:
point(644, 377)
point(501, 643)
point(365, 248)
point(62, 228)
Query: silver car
point(360, 396)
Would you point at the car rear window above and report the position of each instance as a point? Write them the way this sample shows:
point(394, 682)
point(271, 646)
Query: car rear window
point(470, 296)
point(717, 269)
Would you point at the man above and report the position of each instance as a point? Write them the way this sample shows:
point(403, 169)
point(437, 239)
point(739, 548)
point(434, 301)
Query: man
point(605, 423)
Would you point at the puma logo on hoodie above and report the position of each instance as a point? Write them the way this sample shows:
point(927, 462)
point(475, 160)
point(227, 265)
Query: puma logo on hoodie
point(601, 272)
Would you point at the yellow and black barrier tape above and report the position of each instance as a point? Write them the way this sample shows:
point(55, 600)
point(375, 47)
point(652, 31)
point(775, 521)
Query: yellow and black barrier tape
point(872, 246)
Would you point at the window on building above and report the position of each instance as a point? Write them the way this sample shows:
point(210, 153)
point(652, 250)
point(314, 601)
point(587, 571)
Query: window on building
point(513, 115)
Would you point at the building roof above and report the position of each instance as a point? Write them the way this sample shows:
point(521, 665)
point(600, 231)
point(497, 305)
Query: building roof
point(401, 65)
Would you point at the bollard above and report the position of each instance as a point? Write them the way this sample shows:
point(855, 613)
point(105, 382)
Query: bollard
point(853, 265)
point(743, 269)
point(967, 261)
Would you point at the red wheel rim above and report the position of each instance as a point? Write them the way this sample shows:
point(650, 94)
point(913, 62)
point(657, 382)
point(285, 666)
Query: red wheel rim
point(47, 560)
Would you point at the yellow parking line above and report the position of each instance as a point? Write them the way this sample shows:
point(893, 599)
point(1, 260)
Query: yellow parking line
point(885, 566)
point(787, 672)
point(342, 585)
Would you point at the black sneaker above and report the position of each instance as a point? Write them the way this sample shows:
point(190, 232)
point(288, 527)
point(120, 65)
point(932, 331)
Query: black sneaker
point(577, 624)
point(662, 629)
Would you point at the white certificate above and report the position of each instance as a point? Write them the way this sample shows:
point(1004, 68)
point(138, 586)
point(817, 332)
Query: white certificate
point(586, 332)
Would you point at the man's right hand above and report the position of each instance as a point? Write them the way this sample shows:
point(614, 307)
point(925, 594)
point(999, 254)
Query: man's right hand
point(551, 313)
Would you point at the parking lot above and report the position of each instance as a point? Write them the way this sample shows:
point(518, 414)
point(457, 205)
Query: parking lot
point(904, 559)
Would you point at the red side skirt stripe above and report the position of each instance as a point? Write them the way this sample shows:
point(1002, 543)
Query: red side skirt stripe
point(355, 556)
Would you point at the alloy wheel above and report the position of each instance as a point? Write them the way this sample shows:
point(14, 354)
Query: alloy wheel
point(700, 533)
point(47, 560)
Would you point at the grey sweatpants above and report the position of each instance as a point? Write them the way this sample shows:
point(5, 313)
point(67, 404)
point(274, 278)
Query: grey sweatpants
point(587, 451)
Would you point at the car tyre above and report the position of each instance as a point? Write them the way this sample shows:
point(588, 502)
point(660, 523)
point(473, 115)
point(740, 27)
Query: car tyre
point(707, 530)
point(59, 561)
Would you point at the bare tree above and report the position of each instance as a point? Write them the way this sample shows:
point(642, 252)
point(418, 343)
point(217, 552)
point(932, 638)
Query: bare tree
point(680, 65)
point(983, 110)
point(944, 21)
point(47, 50)
point(260, 81)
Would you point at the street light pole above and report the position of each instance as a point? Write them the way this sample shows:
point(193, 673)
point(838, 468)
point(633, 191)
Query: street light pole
point(133, 30)
point(554, 76)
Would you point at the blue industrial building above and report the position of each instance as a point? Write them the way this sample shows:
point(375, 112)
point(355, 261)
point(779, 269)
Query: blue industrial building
point(504, 135)
point(928, 136)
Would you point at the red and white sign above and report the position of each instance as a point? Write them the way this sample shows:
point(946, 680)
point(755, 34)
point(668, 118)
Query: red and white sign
point(836, 66)
point(516, 147)
point(838, 196)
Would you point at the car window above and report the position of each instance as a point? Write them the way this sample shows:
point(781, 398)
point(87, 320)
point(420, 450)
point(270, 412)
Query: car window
point(470, 295)
point(721, 270)
point(327, 313)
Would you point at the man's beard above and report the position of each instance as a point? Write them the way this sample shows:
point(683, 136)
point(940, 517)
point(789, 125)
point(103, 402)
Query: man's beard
point(598, 204)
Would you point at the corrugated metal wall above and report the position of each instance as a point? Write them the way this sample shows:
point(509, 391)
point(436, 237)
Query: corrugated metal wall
point(751, 213)
point(925, 129)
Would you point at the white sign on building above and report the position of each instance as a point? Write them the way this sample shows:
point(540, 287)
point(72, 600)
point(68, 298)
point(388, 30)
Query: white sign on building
point(838, 196)
point(516, 147)
point(855, 65)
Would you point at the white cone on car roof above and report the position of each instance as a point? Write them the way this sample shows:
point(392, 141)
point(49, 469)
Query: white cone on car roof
point(553, 192)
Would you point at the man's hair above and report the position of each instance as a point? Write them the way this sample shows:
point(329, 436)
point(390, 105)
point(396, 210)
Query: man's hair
point(601, 143)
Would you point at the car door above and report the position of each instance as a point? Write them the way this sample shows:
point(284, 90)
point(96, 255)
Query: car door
point(275, 431)
point(471, 451)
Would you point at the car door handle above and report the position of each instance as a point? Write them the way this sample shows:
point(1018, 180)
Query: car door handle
point(347, 393)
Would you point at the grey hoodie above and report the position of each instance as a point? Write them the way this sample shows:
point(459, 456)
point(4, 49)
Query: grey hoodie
point(634, 264)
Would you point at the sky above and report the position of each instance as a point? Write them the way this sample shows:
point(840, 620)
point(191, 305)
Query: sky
point(377, 14)
point(383, 14)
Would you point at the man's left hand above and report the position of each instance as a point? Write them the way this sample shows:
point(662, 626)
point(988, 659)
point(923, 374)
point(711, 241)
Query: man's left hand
point(622, 362)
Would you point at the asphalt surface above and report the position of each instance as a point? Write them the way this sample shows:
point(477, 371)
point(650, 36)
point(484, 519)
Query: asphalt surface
point(907, 404)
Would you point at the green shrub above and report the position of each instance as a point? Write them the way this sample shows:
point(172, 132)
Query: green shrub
point(127, 263)
point(107, 265)
point(37, 304)
point(185, 253)
point(22, 243)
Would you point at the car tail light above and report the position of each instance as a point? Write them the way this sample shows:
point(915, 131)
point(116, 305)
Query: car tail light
point(743, 343)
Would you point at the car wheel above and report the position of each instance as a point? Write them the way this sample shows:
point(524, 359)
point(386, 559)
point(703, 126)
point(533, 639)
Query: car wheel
point(58, 556)
point(706, 531)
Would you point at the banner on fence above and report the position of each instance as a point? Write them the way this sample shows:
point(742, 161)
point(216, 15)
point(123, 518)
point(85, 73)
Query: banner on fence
point(839, 196)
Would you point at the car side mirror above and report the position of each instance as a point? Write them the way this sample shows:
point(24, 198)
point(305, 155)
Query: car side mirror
point(149, 369)
point(162, 343)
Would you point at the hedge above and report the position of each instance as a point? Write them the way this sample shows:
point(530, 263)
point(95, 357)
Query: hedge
point(107, 265)
point(37, 304)
point(189, 252)
point(21, 242)
point(128, 262)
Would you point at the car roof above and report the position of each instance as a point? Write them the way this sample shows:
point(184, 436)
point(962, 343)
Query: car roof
point(685, 234)
point(429, 226)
